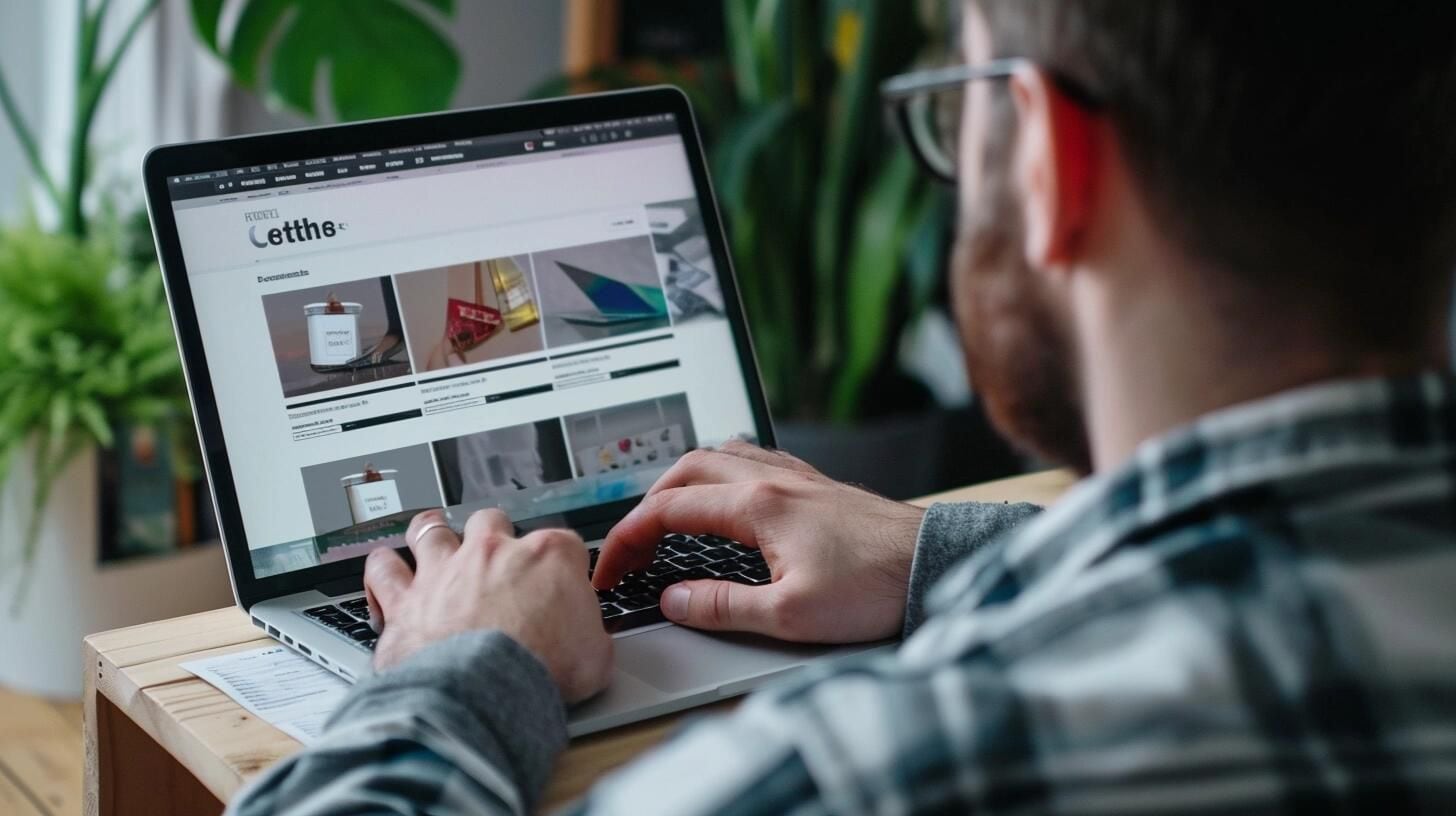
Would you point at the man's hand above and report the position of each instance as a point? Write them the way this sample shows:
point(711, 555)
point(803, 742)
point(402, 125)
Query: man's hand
point(839, 555)
point(533, 589)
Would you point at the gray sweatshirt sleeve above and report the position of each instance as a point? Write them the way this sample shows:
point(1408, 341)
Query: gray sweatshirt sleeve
point(472, 724)
point(950, 533)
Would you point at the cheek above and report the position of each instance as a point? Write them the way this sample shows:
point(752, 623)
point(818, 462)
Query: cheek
point(963, 291)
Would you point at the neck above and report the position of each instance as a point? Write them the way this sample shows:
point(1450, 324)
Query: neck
point(1136, 387)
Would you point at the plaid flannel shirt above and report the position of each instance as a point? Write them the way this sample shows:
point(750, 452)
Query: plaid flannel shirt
point(1256, 614)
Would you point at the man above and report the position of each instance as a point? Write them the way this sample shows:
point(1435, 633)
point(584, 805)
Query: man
point(1206, 253)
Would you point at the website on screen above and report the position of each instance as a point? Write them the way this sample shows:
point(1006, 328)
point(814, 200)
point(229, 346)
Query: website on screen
point(534, 325)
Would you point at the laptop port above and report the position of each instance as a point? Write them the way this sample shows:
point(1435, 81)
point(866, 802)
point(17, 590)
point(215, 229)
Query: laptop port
point(259, 624)
point(305, 650)
point(273, 630)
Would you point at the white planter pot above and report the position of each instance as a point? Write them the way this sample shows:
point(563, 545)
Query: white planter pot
point(70, 595)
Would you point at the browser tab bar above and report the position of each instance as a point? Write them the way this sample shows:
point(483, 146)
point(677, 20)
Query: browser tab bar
point(423, 156)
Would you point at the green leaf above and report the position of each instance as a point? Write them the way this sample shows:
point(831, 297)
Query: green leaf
point(753, 135)
point(256, 23)
point(206, 14)
point(767, 23)
point(94, 418)
point(925, 255)
point(61, 411)
point(383, 58)
point(874, 269)
point(738, 21)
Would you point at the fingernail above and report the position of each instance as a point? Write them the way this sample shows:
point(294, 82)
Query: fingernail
point(674, 601)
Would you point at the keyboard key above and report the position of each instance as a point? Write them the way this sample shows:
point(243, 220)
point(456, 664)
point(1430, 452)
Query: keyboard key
point(633, 620)
point(611, 610)
point(756, 576)
point(688, 561)
point(723, 568)
point(321, 611)
point(659, 568)
point(719, 554)
point(694, 574)
point(635, 602)
point(355, 605)
point(361, 632)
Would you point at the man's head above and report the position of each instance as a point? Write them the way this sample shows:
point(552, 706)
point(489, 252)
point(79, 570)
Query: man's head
point(1264, 167)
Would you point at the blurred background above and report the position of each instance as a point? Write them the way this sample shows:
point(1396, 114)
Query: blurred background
point(839, 243)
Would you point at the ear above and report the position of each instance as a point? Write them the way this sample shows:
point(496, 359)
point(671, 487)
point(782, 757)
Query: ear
point(1057, 165)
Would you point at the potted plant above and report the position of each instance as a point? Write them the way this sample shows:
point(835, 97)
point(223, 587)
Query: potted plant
point(839, 242)
point(88, 362)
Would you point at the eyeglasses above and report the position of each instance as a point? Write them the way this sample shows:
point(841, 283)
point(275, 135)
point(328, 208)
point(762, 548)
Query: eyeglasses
point(927, 108)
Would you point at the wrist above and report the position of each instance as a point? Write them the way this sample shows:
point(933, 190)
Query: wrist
point(898, 539)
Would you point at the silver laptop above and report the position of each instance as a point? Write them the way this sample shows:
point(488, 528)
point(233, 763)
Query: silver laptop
point(375, 319)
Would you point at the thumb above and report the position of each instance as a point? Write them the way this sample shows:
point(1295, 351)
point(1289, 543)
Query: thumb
point(720, 605)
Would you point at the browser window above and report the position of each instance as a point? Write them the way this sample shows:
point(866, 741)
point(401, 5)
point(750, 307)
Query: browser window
point(532, 322)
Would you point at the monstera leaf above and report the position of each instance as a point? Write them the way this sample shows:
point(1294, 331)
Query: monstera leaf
point(381, 57)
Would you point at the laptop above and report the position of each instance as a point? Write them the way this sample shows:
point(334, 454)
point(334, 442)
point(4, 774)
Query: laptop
point(287, 255)
point(615, 301)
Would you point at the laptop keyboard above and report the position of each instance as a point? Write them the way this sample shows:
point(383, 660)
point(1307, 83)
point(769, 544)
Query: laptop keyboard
point(628, 605)
point(348, 618)
point(633, 602)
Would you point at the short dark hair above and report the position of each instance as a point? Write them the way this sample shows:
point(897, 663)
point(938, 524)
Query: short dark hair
point(1306, 145)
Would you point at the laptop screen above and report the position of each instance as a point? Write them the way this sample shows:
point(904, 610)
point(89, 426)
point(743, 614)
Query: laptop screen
point(528, 321)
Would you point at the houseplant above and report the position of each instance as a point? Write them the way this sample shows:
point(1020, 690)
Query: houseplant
point(84, 333)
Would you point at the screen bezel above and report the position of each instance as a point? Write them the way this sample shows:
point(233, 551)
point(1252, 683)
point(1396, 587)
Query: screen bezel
point(199, 157)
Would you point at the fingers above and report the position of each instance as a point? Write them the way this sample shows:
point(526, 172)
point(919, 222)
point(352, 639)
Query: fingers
point(386, 577)
point(564, 544)
point(722, 606)
point(726, 510)
point(768, 456)
point(735, 461)
point(708, 467)
point(488, 527)
point(430, 538)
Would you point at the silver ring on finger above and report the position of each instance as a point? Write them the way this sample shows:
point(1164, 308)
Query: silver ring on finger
point(428, 527)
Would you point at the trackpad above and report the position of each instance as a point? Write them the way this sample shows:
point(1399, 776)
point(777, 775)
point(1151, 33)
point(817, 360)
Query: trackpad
point(674, 659)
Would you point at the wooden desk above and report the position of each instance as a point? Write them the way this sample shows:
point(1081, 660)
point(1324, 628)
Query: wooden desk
point(160, 742)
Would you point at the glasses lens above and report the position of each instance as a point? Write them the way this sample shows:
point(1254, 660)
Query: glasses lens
point(935, 118)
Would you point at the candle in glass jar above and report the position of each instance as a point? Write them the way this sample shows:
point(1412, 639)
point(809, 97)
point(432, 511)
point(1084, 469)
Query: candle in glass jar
point(371, 494)
point(333, 332)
